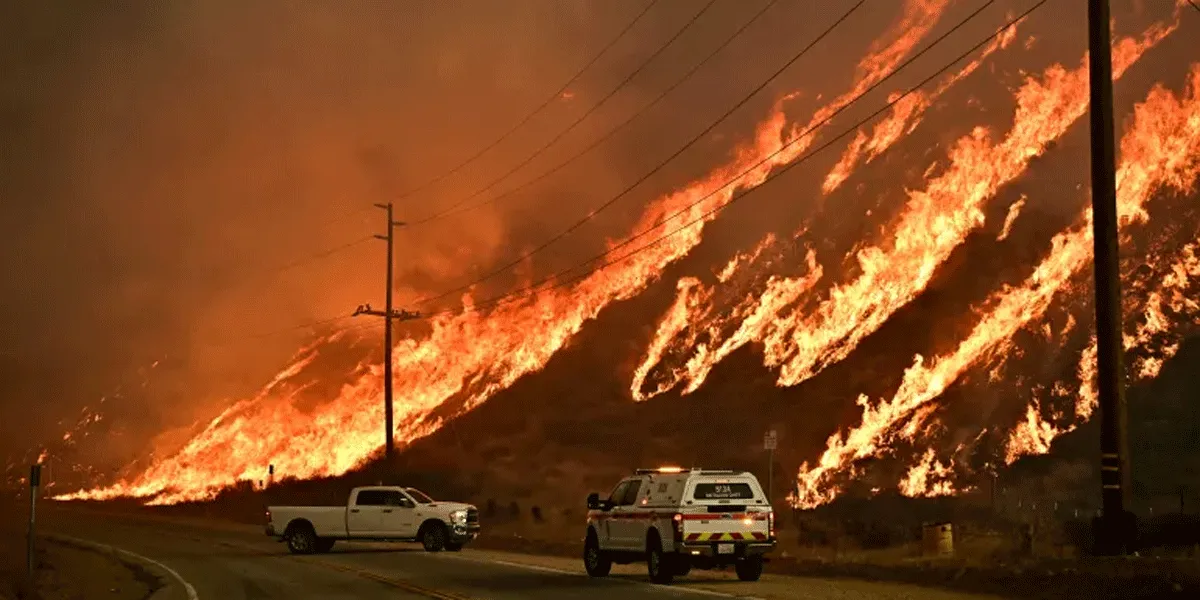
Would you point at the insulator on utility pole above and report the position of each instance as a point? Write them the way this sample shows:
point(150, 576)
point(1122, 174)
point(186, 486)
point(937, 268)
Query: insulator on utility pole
point(389, 315)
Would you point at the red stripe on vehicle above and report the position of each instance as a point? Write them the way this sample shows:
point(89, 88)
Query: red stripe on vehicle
point(760, 536)
point(735, 535)
point(693, 537)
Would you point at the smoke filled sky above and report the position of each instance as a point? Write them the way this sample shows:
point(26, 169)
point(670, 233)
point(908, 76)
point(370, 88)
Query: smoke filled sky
point(162, 160)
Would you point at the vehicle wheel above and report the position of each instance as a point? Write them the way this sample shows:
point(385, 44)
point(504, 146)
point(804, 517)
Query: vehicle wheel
point(302, 540)
point(595, 561)
point(324, 545)
point(658, 564)
point(749, 568)
point(434, 539)
point(453, 547)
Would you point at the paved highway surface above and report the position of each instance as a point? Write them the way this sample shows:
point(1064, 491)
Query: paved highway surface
point(232, 562)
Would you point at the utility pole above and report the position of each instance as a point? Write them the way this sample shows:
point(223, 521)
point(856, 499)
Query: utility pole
point(389, 315)
point(35, 476)
point(1116, 527)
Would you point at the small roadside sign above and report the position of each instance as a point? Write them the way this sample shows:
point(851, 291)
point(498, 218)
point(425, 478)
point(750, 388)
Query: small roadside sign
point(770, 440)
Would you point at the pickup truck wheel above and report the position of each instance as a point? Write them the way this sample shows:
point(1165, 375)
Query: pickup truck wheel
point(749, 568)
point(595, 561)
point(302, 540)
point(658, 564)
point(434, 538)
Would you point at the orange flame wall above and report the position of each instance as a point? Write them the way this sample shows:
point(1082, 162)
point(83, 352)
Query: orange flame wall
point(471, 356)
point(1160, 150)
point(936, 220)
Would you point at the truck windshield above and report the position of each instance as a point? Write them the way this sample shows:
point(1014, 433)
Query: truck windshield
point(419, 496)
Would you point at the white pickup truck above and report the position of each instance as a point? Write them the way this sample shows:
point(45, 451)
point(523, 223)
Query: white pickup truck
point(376, 513)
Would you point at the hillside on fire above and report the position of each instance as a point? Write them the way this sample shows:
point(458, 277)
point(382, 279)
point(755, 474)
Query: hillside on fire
point(888, 262)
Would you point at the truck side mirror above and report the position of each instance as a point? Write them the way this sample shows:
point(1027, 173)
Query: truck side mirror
point(593, 501)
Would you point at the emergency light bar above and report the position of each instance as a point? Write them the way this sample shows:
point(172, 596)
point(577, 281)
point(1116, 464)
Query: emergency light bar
point(673, 470)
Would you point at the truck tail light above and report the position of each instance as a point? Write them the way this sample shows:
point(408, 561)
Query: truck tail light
point(268, 516)
point(771, 525)
point(677, 526)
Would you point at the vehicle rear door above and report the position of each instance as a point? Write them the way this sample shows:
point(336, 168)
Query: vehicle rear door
point(365, 513)
point(398, 518)
point(733, 510)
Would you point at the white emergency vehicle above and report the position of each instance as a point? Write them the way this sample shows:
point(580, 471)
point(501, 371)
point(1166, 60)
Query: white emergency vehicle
point(676, 519)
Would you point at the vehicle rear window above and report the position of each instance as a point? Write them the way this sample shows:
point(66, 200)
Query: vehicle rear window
point(723, 491)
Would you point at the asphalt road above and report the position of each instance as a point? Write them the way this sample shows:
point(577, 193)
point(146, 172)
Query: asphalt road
point(240, 563)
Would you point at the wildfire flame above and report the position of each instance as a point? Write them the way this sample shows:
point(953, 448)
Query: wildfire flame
point(936, 221)
point(1161, 149)
point(465, 358)
point(469, 356)
point(905, 117)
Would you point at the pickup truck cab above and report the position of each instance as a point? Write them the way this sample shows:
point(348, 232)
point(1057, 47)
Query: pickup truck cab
point(376, 513)
point(675, 519)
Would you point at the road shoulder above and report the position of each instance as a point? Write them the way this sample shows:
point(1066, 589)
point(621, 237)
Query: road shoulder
point(69, 570)
point(94, 568)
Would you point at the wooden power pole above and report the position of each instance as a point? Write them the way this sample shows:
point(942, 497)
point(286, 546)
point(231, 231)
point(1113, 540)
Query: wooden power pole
point(1115, 528)
point(389, 315)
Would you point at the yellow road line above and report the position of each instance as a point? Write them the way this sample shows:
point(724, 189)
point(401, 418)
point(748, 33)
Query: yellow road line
point(360, 572)
point(392, 581)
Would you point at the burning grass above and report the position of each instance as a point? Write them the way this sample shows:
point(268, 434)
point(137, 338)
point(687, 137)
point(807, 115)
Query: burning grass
point(312, 426)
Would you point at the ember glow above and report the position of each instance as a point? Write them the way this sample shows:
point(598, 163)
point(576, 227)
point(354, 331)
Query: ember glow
point(1169, 312)
point(905, 117)
point(804, 315)
point(469, 356)
point(1161, 149)
point(936, 220)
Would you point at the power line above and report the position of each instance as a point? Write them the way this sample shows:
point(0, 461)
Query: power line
point(572, 126)
point(555, 96)
point(274, 332)
point(592, 214)
point(1194, 5)
point(539, 286)
point(291, 265)
point(318, 255)
point(557, 283)
point(298, 262)
point(455, 208)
